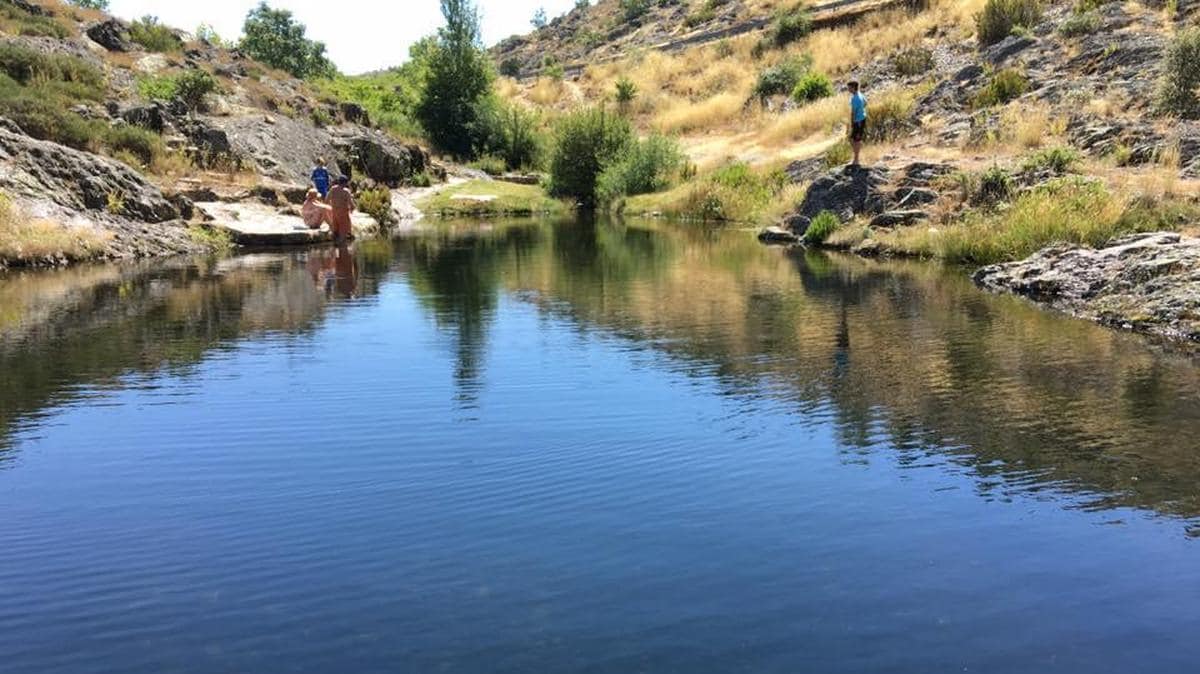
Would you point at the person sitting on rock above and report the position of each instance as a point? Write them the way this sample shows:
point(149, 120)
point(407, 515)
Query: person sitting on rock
point(314, 212)
point(342, 203)
point(858, 120)
point(320, 178)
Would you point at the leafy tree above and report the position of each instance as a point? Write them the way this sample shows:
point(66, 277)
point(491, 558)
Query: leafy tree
point(275, 38)
point(587, 143)
point(458, 83)
point(90, 4)
point(539, 20)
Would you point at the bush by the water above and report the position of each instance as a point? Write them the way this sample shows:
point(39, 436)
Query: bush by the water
point(1000, 18)
point(646, 166)
point(1177, 91)
point(821, 227)
point(734, 192)
point(458, 82)
point(377, 203)
point(1065, 210)
point(510, 132)
point(585, 144)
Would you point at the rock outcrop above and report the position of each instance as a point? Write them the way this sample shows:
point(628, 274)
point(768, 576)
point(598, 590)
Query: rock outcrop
point(112, 34)
point(77, 180)
point(890, 198)
point(1146, 282)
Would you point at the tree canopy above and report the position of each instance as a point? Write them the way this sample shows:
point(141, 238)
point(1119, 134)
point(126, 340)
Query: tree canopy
point(274, 37)
point(459, 81)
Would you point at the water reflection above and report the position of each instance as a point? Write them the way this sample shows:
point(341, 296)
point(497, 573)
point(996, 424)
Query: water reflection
point(902, 358)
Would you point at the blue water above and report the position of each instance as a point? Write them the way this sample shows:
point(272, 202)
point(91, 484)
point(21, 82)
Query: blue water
point(585, 448)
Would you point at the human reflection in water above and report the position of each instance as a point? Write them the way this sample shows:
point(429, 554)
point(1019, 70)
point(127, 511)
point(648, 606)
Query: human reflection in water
point(335, 271)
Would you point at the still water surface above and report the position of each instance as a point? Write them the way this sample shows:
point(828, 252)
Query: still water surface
point(584, 448)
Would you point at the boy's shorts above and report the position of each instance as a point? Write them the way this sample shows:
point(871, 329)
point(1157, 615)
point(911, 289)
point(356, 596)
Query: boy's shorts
point(858, 131)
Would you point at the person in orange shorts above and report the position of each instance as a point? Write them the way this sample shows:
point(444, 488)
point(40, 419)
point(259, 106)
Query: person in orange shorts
point(342, 202)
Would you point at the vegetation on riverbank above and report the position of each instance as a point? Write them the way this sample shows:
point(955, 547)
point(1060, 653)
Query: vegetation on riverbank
point(1072, 210)
point(25, 239)
point(490, 199)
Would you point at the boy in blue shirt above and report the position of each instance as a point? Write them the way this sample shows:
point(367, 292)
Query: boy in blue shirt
point(320, 178)
point(858, 119)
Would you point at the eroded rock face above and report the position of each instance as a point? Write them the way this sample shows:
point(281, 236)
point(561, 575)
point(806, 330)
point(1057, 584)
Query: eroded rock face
point(891, 198)
point(113, 35)
point(1145, 282)
point(380, 158)
point(76, 180)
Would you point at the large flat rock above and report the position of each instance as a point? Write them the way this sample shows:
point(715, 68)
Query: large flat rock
point(1145, 282)
point(253, 224)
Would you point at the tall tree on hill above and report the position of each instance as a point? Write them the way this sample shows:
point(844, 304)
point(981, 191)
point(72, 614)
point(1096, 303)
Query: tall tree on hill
point(278, 40)
point(459, 82)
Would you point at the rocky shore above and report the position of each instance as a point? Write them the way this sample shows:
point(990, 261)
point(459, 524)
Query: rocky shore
point(1147, 282)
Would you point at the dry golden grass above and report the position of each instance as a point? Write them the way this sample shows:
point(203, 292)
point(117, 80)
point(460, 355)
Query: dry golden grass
point(690, 117)
point(25, 239)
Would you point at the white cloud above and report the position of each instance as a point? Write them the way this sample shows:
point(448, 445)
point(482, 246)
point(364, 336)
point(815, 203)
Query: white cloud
point(360, 35)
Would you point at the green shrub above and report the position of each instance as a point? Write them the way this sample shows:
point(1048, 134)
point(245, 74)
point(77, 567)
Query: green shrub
point(1004, 86)
point(157, 88)
point(489, 164)
point(154, 36)
point(1000, 18)
point(193, 86)
point(510, 67)
point(20, 22)
point(812, 87)
point(377, 203)
point(986, 189)
point(1057, 160)
point(422, 179)
point(633, 10)
point(791, 25)
point(733, 193)
point(586, 142)
point(840, 153)
point(914, 61)
point(1078, 24)
point(645, 167)
point(781, 79)
point(890, 117)
point(821, 227)
point(626, 92)
point(509, 132)
point(28, 66)
point(47, 119)
point(141, 143)
point(1177, 90)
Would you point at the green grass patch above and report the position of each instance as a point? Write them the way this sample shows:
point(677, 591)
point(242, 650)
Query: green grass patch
point(482, 198)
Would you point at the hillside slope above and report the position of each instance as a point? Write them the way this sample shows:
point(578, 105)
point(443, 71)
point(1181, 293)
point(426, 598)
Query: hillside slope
point(112, 129)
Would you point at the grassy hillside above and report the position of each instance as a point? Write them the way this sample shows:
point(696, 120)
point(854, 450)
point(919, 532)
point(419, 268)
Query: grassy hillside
point(978, 85)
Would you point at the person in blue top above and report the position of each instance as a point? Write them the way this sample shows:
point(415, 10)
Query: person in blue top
point(321, 179)
point(858, 119)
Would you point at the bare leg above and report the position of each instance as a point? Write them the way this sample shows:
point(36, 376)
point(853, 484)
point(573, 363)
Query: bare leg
point(857, 145)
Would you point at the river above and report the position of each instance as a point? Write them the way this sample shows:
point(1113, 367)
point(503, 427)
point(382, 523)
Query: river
point(584, 447)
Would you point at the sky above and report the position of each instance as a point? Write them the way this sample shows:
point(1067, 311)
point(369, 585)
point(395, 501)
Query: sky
point(360, 35)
